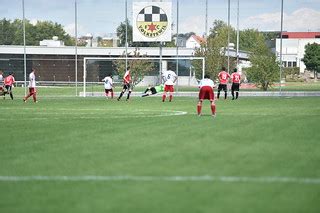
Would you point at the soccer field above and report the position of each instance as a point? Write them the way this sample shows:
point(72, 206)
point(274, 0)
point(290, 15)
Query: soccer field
point(98, 155)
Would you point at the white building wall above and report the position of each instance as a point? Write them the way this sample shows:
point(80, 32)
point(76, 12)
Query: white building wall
point(293, 50)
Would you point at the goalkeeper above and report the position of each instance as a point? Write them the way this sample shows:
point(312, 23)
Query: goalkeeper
point(153, 90)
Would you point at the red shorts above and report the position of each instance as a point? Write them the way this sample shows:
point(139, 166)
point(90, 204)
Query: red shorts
point(206, 92)
point(168, 88)
point(32, 90)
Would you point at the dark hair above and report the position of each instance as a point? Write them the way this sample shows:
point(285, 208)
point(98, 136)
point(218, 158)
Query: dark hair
point(235, 70)
point(128, 68)
point(206, 76)
point(223, 68)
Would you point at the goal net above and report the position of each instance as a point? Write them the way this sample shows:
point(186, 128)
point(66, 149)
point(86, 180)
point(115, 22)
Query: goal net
point(145, 71)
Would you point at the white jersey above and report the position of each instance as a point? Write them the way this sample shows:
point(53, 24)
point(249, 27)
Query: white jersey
point(1, 80)
point(169, 77)
point(108, 83)
point(206, 82)
point(32, 80)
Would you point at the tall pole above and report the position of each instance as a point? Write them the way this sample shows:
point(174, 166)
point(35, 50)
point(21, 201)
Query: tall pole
point(238, 34)
point(228, 36)
point(206, 24)
point(76, 44)
point(281, 47)
point(24, 50)
point(126, 7)
point(177, 52)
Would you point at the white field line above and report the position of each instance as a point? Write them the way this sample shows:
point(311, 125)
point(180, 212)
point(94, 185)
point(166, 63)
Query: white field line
point(89, 115)
point(205, 178)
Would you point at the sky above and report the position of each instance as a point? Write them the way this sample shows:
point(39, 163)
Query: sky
point(101, 17)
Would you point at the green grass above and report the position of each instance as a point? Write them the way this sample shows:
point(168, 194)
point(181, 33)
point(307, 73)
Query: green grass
point(251, 137)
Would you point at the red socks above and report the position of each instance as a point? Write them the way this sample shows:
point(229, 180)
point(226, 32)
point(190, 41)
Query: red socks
point(163, 98)
point(213, 109)
point(170, 98)
point(199, 109)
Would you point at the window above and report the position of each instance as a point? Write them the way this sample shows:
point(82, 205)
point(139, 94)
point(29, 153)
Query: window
point(289, 64)
point(294, 64)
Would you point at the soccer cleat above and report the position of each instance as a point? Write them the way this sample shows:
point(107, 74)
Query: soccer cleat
point(24, 100)
point(214, 115)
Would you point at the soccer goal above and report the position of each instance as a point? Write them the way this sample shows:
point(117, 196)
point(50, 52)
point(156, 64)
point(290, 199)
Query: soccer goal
point(145, 71)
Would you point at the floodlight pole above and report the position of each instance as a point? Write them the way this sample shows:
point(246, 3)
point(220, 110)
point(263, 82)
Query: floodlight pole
point(177, 46)
point(228, 36)
point(126, 7)
point(238, 34)
point(206, 22)
point(24, 50)
point(280, 88)
point(76, 44)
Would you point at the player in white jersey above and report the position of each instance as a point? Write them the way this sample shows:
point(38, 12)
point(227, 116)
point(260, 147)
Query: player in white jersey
point(206, 86)
point(32, 86)
point(108, 86)
point(169, 77)
point(1, 83)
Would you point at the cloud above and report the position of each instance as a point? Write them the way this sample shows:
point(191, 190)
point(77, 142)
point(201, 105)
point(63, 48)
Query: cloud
point(194, 24)
point(304, 19)
point(70, 28)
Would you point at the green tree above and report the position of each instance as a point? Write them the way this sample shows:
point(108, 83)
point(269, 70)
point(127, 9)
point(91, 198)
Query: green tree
point(311, 58)
point(11, 32)
point(265, 68)
point(214, 50)
point(139, 67)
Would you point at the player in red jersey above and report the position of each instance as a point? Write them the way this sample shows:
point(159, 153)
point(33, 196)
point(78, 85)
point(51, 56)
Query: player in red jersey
point(206, 86)
point(8, 82)
point(223, 79)
point(126, 84)
point(235, 77)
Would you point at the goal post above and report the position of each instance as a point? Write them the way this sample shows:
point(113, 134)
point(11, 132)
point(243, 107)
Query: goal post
point(144, 70)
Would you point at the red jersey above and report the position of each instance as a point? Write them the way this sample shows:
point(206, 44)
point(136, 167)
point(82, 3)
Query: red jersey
point(235, 77)
point(223, 77)
point(127, 77)
point(9, 80)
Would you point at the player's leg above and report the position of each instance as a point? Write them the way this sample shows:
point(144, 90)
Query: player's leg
point(171, 93)
point(232, 91)
point(111, 91)
point(199, 107)
point(128, 96)
point(213, 108)
point(122, 92)
point(237, 91)
point(26, 98)
point(165, 93)
point(164, 96)
point(9, 90)
point(225, 91)
point(219, 89)
point(34, 95)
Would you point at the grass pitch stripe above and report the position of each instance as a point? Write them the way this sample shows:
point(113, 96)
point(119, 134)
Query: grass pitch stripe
point(205, 178)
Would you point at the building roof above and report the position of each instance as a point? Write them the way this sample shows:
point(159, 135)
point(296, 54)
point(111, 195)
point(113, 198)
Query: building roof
point(199, 39)
point(300, 34)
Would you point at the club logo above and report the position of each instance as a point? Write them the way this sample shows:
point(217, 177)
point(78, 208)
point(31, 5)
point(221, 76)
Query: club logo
point(152, 21)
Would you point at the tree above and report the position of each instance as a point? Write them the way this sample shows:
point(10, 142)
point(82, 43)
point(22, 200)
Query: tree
point(214, 50)
point(11, 32)
point(139, 67)
point(265, 67)
point(311, 58)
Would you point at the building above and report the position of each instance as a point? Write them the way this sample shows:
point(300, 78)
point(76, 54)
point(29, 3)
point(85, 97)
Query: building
point(195, 41)
point(293, 47)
